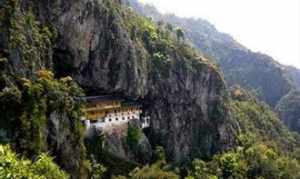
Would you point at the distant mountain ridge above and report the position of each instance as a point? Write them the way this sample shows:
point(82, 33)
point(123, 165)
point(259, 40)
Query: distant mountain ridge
point(255, 71)
point(53, 53)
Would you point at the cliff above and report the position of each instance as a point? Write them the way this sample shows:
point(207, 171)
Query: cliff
point(288, 109)
point(39, 114)
point(108, 49)
point(294, 73)
point(241, 66)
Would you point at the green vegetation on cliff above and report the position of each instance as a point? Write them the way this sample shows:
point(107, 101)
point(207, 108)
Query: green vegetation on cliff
point(29, 105)
point(133, 136)
point(256, 160)
point(158, 169)
point(259, 121)
point(30, 110)
point(241, 66)
point(25, 38)
point(289, 110)
point(13, 166)
point(265, 147)
point(161, 41)
point(40, 113)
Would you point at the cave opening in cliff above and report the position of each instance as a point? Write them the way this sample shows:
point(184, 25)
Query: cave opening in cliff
point(63, 63)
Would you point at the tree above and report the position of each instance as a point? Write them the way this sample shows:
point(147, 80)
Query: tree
point(12, 166)
point(133, 136)
point(170, 27)
point(98, 170)
point(159, 154)
point(200, 170)
point(180, 34)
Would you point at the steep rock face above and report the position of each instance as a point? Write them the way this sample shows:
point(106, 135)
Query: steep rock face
point(95, 48)
point(183, 94)
point(31, 125)
point(66, 144)
point(184, 113)
point(126, 141)
point(253, 71)
point(294, 73)
point(184, 97)
point(116, 144)
point(289, 110)
point(34, 117)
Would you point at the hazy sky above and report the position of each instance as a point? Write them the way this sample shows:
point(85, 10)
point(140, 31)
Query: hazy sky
point(267, 26)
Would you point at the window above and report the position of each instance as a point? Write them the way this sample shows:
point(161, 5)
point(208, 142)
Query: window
point(93, 121)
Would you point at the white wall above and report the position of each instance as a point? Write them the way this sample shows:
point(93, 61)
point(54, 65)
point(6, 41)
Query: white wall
point(116, 119)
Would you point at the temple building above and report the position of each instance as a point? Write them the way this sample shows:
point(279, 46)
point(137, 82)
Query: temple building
point(104, 111)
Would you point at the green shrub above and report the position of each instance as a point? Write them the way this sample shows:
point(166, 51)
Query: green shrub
point(257, 161)
point(152, 172)
point(159, 154)
point(179, 34)
point(97, 170)
point(266, 149)
point(12, 166)
point(29, 105)
point(133, 136)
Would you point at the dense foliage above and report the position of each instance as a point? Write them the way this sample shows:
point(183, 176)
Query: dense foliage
point(251, 161)
point(265, 148)
point(294, 74)
point(29, 97)
point(29, 107)
point(39, 112)
point(258, 120)
point(29, 104)
point(289, 110)
point(133, 136)
point(12, 166)
point(161, 40)
point(254, 71)
point(25, 37)
point(158, 169)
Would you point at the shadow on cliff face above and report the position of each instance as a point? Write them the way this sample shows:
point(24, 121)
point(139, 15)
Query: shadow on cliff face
point(62, 63)
point(185, 93)
point(121, 148)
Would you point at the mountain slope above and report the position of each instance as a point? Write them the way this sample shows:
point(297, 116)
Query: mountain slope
point(254, 71)
point(265, 148)
point(295, 75)
point(39, 114)
point(108, 49)
point(289, 110)
point(122, 53)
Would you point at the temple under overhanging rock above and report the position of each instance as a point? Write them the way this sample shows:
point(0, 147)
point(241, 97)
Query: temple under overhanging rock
point(105, 111)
